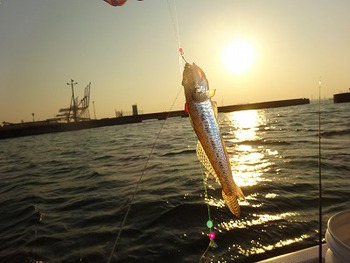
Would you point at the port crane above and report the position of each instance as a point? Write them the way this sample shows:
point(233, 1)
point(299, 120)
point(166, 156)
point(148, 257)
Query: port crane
point(78, 110)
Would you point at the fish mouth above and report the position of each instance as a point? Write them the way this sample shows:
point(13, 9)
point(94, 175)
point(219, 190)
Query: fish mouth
point(192, 73)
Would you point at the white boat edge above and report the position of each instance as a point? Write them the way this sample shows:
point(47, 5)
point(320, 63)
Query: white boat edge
point(307, 255)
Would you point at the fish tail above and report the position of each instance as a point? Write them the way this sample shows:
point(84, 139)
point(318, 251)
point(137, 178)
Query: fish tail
point(232, 203)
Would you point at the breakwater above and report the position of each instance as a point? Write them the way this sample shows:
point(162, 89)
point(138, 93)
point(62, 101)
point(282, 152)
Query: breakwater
point(36, 128)
point(341, 97)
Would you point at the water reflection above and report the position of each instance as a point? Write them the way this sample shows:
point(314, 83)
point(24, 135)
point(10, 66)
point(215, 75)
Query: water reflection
point(245, 124)
point(243, 133)
point(247, 154)
point(259, 248)
point(257, 219)
point(252, 157)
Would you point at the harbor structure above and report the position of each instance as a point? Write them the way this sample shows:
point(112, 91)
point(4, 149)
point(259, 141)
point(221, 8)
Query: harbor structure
point(10, 130)
point(341, 97)
point(78, 110)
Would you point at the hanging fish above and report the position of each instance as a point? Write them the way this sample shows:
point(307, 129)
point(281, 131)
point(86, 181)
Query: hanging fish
point(211, 150)
point(117, 2)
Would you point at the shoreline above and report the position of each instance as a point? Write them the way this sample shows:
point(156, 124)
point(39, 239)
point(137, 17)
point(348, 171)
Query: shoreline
point(43, 127)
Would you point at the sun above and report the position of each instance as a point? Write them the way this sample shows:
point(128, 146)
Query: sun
point(239, 56)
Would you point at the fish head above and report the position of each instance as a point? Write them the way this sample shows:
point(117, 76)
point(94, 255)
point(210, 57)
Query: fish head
point(195, 83)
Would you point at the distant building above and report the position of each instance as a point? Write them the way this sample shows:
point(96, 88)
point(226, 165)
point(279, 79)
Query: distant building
point(134, 110)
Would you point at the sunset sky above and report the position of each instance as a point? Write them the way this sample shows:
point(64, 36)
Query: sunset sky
point(130, 53)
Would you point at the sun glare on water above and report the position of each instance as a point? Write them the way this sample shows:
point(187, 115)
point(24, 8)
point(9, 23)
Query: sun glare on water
point(239, 56)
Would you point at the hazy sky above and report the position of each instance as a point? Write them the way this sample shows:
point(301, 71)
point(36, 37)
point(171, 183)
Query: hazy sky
point(130, 53)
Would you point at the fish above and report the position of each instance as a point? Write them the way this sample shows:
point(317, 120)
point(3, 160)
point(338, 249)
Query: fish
point(210, 149)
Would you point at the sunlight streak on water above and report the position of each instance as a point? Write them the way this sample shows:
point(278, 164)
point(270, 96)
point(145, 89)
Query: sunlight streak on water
point(258, 219)
point(248, 161)
point(258, 248)
point(246, 123)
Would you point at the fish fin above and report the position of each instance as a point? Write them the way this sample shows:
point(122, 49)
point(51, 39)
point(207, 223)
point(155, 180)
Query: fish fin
point(203, 158)
point(214, 104)
point(210, 93)
point(232, 203)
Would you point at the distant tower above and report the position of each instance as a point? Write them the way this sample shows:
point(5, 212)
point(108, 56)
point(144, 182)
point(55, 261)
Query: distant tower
point(134, 110)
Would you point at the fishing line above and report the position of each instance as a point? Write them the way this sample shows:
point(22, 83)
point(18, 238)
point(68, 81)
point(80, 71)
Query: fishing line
point(175, 22)
point(211, 234)
point(177, 33)
point(174, 17)
point(319, 175)
point(140, 178)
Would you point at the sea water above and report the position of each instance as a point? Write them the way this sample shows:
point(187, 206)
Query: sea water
point(63, 196)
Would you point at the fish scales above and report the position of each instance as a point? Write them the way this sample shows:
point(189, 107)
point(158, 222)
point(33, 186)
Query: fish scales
point(207, 131)
point(211, 149)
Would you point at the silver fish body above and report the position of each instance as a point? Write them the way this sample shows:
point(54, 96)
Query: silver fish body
point(211, 149)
